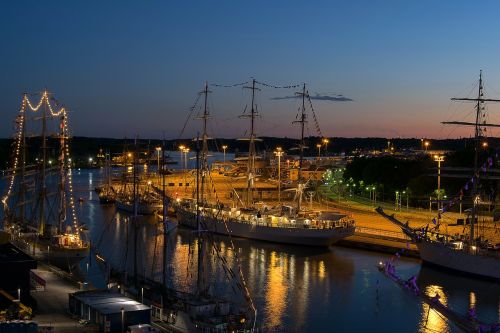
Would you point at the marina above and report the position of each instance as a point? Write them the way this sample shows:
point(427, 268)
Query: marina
point(249, 167)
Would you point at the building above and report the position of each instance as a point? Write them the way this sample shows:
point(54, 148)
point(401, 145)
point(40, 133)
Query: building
point(111, 311)
point(311, 172)
point(16, 266)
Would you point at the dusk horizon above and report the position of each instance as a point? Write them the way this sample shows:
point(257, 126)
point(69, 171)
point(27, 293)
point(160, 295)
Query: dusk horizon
point(374, 70)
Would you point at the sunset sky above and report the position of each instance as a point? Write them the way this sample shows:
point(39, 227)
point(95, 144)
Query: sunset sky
point(135, 67)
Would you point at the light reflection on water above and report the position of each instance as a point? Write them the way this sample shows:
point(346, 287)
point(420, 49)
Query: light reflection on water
point(295, 289)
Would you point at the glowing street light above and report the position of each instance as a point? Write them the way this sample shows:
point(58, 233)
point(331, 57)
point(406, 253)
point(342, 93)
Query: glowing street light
point(123, 319)
point(427, 144)
point(319, 149)
point(181, 149)
point(439, 159)
point(325, 142)
point(224, 147)
point(279, 153)
point(186, 151)
point(158, 150)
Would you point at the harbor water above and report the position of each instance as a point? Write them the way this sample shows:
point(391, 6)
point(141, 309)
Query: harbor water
point(295, 289)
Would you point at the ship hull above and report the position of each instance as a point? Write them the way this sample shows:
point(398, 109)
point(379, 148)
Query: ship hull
point(439, 254)
point(61, 257)
point(294, 236)
point(141, 208)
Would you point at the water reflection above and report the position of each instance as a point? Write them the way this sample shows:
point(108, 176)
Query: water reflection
point(432, 320)
point(295, 289)
point(276, 291)
point(460, 293)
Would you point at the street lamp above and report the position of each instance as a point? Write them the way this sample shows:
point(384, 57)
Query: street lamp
point(158, 150)
point(19, 294)
point(181, 149)
point(186, 151)
point(426, 144)
point(224, 147)
point(325, 142)
point(142, 295)
point(319, 150)
point(439, 159)
point(279, 153)
point(485, 144)
point(123, 319)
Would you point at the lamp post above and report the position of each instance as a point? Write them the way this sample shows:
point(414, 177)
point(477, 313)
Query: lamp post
point(439, 159)
point(181, 149)
point(158, 150)
point(426, 144)
point(396, 204)
point(19, 294)
point(325, 142)
point(319, 150)
point(123, 319)
point(279, 153)
point(142, 295)
point(186, 151)
point(224, 147)
point(48, 254)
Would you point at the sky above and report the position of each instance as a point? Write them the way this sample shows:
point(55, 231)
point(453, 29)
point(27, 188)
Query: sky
point(126, 68)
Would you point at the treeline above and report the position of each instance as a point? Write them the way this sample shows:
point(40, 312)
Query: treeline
point(82, 147)
point(417, 177)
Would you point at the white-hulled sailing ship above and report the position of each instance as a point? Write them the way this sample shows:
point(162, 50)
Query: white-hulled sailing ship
point(281, 224)
point(473, 254)
point(38, 205)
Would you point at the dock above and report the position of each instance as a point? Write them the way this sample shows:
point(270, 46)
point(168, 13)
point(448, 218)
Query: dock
point(52, 303)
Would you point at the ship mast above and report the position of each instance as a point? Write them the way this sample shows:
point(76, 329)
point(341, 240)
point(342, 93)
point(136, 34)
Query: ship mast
point(202, 170)
point(302, 145)
point(43, 192)
point(251, 148)
point(478, 135)
point(23, 186)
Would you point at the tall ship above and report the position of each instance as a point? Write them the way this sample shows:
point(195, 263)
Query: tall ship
point(39, 208)
point(136, 195)
point(282, 223)
point(107, 193)
point(470, 253)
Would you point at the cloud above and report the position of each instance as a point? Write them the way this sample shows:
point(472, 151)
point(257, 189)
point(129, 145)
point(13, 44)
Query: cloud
point(320, 97)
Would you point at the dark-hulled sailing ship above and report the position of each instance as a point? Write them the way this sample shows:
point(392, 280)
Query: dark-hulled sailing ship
point(38, 204)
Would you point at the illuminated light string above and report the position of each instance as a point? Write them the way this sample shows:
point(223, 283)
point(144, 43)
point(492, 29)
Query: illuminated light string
point(228, 85)
point(65, 151)
point(16, 152)
point(290, 86)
